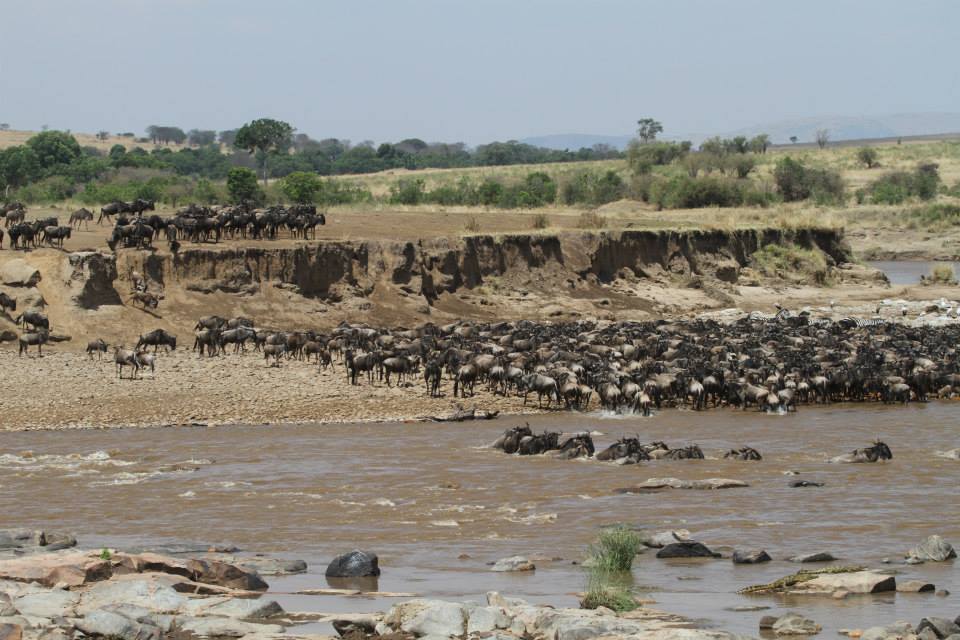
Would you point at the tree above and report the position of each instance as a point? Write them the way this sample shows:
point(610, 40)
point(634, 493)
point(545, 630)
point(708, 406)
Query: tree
point(227, 137)
point(18, 165)
point(739, 144)
point(823, 137)
point(201, 137)
point(117, 152)
point(54, 148)
point(4, 126)
point(759, 143)
point(264, 135)
point(648, 128)
point(301, 186)
point(242, 186)
point(103, 135)
point(793, 139)
point(868, 156)
point(165, 135)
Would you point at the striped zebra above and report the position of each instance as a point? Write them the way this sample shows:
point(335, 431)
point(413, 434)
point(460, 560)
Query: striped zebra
point(862, 323)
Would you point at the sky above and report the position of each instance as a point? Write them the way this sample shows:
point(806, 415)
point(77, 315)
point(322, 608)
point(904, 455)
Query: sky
point(471, 70)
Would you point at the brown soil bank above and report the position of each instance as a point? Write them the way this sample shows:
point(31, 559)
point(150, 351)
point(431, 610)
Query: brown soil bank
point(612, 275)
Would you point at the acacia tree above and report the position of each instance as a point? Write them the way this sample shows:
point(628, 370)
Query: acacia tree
point(823, 137)
point(759, 143)
point(793, 139)
point(648, 128)
point(264, 135)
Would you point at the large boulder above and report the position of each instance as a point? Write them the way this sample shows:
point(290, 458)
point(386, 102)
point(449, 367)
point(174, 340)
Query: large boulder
point(794, 624)
point(853, 582)
point(149, 593)
point(33, 541)
point(486, 620)
point(933, 549)
point(356, 564)
point(941, 627)
point(226, 575)
point(107, 624)
point(422, 617)
point(47, 604)
point(19, 273)
point(687, 549)
point(50, 569)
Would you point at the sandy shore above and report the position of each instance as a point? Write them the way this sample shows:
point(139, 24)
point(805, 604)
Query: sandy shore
point(65, 389)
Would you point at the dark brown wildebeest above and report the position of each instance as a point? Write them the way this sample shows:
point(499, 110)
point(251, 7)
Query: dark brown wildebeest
point(38, 338)
point(98, 346)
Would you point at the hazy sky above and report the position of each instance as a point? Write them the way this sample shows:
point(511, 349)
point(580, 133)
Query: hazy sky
point(472, 70)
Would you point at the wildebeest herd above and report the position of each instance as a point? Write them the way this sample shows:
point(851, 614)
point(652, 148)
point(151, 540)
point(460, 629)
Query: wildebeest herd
point(133, 228)
point(632, 450)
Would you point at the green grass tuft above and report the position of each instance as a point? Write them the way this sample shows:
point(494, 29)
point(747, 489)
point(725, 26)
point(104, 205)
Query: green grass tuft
point(615, 549)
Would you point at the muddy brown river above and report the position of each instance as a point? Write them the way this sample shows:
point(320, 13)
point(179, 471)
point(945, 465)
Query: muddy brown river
point(437, 506)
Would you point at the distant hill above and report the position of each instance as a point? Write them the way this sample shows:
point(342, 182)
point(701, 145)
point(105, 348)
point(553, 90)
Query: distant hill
point(840, 127)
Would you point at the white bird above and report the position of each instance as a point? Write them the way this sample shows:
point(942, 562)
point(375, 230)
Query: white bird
point(903, 310)
point(833, 303)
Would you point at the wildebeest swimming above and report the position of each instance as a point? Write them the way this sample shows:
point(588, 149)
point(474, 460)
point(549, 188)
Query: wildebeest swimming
point(876, 452)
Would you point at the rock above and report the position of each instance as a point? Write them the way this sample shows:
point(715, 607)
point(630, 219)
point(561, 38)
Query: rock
point(356, 564)
point(853, 582)
point(10, 631)
point(943, 593)
point(225, 627)
point(804, 483)
point(767, 622)
point(874, 633)
point(50, 569)
point(952, 454)
point(486, 620)
point(236, 608)
point(226, 575)
point(6, 606)
point(933, 549)
point(514, 563)
point(794, 624)
point(112, 625)
point(915, 586)
point(822, 556)
point(271, 566)
point(941, 627)
point(150, 594)
point(18, 273)
point(150, 562)
point(429, 618)
point(750, 557)
point(663, 538)
point(686, 550)
point(35, 541)
point(89, 276)
point(47, 604)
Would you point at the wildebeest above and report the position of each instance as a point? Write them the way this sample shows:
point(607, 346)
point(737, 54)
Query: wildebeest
point(55, 236)
point(112, 209)
point(874, 453)
point(743, 453)
point(145, 360)
point(156, 338)
point(625, 451)
point(125, 358)
point(98, 346)
point(8, 303)
point(35, 319)
point(145, 299)
point(39, 338)
point(81, 216)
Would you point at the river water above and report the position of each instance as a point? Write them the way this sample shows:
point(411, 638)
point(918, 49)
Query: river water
point(426, 496)
point(902, 272)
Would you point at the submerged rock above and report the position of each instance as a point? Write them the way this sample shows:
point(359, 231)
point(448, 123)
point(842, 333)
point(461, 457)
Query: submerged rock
point(356, 564)
point(915, 586)
point(750, 557)
point(794, 624)
point(688, 549)
point(514, 563)
point(821, 556)
point(856, 582)
point(933, 549)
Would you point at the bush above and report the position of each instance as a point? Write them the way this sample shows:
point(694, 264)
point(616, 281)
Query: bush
point(942, 274)
point(52, 189)
point(642, 157)
point(242, 186)
point(301, 186)
point(897, 186)
point(489, 192)
point(591, 188)
point(613, 597)
point(540, 221)
point(591, 220)
point(541, 188)
point(743, 165)
point(684, 192)
point(868, 157)
point(472, 225)
point(795, 181)
point(409, 191)
point(783, 261)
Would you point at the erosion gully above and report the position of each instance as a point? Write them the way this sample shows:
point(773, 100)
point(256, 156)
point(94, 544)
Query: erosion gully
point(437, 506)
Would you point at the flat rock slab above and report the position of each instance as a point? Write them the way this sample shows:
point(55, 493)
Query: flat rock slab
point(916, 586)
point(821, 556)
point(514, 563)
point(49, 569)
point(794, 624)
point(656, 484)
point(857, 582)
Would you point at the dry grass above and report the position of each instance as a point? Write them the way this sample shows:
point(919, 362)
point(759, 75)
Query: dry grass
point(13, 138)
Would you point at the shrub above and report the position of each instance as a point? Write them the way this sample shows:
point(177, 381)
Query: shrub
point(782, 261)
point(591, 220)
point(301, 186)
point(684, 192)
point(489, 192)
point(897, 186)
point(472, 225)
point(591, 188)
point(795, 181)
point(540, 221)
point(868, 157)
point(743, 165)
point(408, 191)
point(615, 549)
point(52, 189)
point(942, 274)
point(642, 157)
point(614, 597)
point(540, 187)
point(242, 186)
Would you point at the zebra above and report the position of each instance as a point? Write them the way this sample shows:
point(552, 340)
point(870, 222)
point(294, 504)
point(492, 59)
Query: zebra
point(862, 323)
